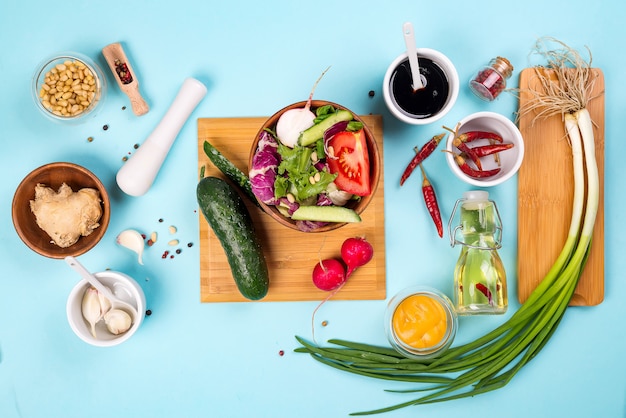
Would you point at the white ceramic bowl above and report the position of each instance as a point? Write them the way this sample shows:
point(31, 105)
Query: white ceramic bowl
point(453, 91)
point(124, 288)
point(510, 160)
point(51, 63)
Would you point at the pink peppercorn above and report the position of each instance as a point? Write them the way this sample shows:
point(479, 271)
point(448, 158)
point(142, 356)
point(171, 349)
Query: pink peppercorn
point(490, 81)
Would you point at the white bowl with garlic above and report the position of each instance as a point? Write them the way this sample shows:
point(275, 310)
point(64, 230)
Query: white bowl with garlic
point(90, 315)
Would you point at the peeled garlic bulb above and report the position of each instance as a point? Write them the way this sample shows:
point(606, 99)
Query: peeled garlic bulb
point(117, 321)
point(132, 240)
point(91, 308)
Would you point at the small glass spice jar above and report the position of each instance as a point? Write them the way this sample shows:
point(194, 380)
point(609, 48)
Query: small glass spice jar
point(491, 80)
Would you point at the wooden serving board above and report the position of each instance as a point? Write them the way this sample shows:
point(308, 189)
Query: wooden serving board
point(545, 194)
point(291, 255)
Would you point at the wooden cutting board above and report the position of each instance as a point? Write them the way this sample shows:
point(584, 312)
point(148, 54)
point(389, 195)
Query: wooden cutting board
point(545, 194)
point(291, 255)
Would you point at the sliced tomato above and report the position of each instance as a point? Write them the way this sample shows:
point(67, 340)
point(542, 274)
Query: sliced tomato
point(351, 162)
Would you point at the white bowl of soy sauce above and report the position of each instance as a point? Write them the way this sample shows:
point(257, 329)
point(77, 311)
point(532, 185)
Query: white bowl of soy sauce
point(440, 90)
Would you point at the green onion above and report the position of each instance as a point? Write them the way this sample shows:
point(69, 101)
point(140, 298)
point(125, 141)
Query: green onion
point(491, 361)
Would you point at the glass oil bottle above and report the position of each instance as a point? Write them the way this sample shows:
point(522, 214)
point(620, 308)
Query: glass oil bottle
point(479, 275)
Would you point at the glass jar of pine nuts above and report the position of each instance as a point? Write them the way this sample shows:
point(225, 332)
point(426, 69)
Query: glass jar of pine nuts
point(69, 87)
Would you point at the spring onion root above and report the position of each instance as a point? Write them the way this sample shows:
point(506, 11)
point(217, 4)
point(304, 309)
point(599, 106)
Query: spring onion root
point(491, 361)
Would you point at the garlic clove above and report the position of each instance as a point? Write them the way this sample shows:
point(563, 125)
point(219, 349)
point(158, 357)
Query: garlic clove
point(117, 321)
point(91, 308)
point(132, 240)
point(105, 304)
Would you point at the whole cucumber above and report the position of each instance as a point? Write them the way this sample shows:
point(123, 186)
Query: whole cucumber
point(228, 216)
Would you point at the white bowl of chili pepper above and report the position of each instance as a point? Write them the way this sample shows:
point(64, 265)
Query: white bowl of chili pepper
point(485, 149)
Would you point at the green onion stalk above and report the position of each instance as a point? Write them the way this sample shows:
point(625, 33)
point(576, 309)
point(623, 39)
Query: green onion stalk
point(491, 361)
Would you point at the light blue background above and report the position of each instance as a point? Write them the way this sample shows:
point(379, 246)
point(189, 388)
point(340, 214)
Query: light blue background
point(222, 360)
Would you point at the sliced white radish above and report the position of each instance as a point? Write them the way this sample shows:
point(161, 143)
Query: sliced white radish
point(291, 124)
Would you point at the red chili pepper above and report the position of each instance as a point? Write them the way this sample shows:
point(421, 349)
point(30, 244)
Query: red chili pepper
point(485, 150)
point(462, 146)
point(479, 174)
point(420, 155)
point(430, 198)
point(475, 135)
point(485, 291)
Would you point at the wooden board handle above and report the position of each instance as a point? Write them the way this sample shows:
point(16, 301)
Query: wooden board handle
point(138, 104)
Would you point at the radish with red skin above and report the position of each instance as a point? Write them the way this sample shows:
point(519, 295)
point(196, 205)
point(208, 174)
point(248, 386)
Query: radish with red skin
point(329, 274)
point(356, 252)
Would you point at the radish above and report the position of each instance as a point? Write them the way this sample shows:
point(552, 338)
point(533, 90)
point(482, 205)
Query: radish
point(294, 121)
point(356, 252)
point(329, 274)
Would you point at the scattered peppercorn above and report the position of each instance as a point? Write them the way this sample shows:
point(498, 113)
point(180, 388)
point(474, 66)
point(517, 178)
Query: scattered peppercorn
point(136, 146)
point(123, 107)
point(371, 93)
point(105, 127)
point(190, 244)
point(160, 219)
point(178, 251)
point(123, 72)
point(148, 312)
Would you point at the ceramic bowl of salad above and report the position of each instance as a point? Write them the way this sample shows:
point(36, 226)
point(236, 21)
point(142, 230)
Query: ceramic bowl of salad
point(314, 168)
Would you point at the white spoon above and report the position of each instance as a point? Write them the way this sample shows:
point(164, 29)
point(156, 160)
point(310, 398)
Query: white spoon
point(411, 51)
point(116, 303)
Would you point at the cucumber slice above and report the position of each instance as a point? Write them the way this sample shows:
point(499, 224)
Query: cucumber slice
point(316, 132)
point(325, 214)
